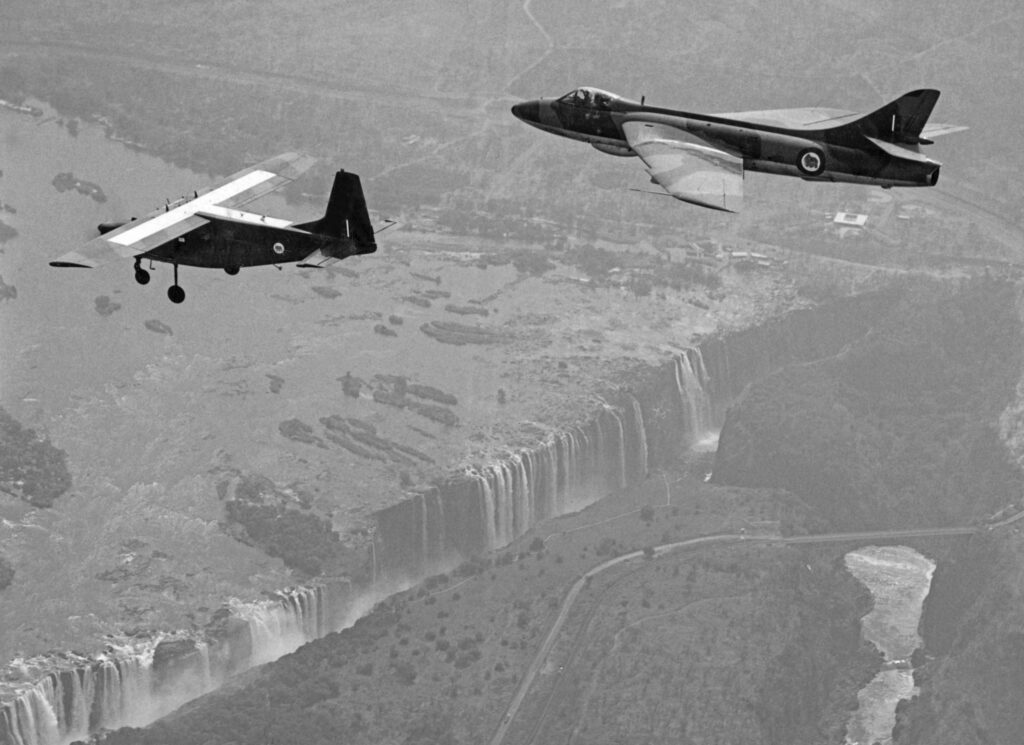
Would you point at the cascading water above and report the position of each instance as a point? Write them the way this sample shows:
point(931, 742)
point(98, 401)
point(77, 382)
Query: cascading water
point(692, 384)
point(638, 427)
point(491, 505)
point(124, 688)
point(485, 508)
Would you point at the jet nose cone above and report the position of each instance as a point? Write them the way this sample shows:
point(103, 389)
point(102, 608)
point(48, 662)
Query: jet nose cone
point(528, 111)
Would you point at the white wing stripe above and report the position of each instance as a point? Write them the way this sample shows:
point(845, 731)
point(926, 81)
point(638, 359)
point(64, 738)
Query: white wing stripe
point(250, 217)
point(203, 204)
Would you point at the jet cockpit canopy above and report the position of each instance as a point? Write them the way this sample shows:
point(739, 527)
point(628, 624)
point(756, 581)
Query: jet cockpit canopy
point(591, 98)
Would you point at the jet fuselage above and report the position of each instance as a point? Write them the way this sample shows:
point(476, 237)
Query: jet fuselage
point(835, 151)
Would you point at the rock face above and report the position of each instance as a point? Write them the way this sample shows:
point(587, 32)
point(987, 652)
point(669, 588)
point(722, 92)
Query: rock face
point(901, 427)
point(971, 688)
point(648, 421)
point(651, 421)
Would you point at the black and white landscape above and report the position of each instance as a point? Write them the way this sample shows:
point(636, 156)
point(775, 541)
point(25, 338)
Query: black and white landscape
point(562, 461)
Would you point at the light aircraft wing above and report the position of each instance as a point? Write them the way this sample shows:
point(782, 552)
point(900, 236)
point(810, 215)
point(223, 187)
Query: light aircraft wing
point(160, 227)
point(686, 166)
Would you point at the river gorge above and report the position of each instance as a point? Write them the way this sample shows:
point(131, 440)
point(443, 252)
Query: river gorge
point(644, 425)
point(647, 415)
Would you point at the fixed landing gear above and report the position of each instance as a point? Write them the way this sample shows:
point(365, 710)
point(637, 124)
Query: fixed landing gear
point(232, 270)
point(141, 275)
point(174, 293)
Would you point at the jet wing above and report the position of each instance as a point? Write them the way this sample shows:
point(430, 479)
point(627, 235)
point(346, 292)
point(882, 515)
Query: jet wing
point(806, 118)
point(162, 226)
point(686, 166)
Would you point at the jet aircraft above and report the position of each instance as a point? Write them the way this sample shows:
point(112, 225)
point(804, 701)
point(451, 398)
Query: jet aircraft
point(701, 158)
point(207, 229)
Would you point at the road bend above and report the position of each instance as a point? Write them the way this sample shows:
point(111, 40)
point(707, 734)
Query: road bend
point(709, 540)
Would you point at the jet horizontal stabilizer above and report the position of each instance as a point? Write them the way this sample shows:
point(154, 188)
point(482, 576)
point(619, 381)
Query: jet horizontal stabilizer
point(903, 153)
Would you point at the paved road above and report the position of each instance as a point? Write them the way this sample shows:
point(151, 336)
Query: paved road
point(727, 538)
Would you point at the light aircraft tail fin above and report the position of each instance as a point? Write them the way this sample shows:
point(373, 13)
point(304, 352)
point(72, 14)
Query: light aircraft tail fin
point(900, 121)
point(346, 215)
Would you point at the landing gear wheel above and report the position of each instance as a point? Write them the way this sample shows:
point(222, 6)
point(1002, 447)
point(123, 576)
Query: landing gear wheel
point(232, 270)
point(174, 292)
point(811, 161)
point(141, 276)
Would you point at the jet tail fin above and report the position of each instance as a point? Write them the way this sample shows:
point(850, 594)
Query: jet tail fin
point(346, 215)
point(900, 121)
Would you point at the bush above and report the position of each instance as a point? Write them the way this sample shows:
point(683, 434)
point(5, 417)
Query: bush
point(303, 541)
point(30, 467)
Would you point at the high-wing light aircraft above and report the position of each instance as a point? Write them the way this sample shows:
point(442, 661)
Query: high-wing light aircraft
point(207, 229)
point(701, 158)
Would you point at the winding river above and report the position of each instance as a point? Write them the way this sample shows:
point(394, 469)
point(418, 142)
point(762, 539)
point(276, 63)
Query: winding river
point(898, 578)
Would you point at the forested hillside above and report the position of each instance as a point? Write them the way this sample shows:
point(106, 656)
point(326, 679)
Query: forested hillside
point(901, 428)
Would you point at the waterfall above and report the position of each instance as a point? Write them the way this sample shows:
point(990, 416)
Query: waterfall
point(641, 437)
point(493, 504)
point(123, 687)
point(281, 625)
point(621, 448)
point(486, 507)
point(691, 378)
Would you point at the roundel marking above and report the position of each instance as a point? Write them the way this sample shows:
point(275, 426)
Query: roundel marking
point(811, 162)
point(279, 248)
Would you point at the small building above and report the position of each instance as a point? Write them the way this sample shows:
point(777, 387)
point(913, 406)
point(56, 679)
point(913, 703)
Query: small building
point(850, 219)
